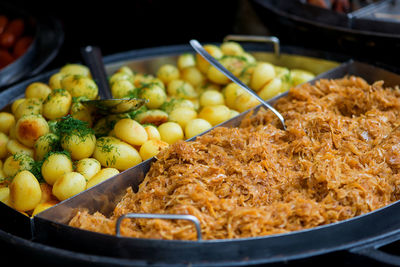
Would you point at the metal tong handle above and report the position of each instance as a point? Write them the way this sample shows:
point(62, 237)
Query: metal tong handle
point(93, 59)
point(256, 38)
point(199, 49)
point(186, 217)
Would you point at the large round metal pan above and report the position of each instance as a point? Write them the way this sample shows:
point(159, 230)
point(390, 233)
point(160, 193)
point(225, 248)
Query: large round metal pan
point(48, 37)
point(329, 31)
point(58, 244)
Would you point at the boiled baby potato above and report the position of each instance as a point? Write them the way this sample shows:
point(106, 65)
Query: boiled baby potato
point(14, 147)
point(3, 145)
point(211, 97)
point(45, 144)
point(30, 106)
point(15, 104)
point(215, 114)
point(55, 80)
point(57, 104)
point(42, 207)
point(202, 63)
point(68, 185)
point(80, 144)
point(122, 88)
point(196, 126)
point(29, 128)
point(271, 89)
point(185, 60)
point(75, 69)
point(4, 194)
point(7, 120)
point(17, 162)
point(167, 73)
point(230, 93)
point(193, 76)
point(155, 95)
point(80, 112)
point(37, 90)
point(245, 102)
point(114, 153)
point(79, 85)
point(152, 132)
point(301, 76)
point(181, 89)
point(88, 167)
point(182, 116)
point(231, 48)
point(101, 176)
point(262, 74)
point(170, 132)
point(54, 166)
point(151, 148)
point(130, 131)
point(152, 116)
point(25, 193)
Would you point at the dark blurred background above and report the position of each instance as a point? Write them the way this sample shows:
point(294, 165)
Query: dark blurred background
point(118, 26)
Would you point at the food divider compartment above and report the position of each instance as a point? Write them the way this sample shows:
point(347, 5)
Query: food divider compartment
point(51, 227)
point(147, 61)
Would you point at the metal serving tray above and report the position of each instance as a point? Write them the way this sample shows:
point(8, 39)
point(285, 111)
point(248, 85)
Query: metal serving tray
point(359, 235)
point(148, 61)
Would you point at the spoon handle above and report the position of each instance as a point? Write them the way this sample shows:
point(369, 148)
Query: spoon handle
point(93, 59)
point(199, 49)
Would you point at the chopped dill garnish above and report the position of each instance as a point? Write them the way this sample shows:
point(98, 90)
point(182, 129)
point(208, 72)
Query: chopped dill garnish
point(68, 126)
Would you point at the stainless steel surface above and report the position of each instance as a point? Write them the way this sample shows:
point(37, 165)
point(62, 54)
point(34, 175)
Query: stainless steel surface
point(199, 49)
point(186, 217)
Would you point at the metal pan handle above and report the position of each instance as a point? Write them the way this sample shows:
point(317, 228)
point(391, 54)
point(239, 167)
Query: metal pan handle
point(371, 250)
point(186, 217)
point(256, 38)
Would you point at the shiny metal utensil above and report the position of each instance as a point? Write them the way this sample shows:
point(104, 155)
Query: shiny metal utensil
point(199, 49)
point(106, 105)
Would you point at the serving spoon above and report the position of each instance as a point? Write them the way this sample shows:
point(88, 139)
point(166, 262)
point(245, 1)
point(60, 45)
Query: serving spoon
point(199, 49)
point(106, 104)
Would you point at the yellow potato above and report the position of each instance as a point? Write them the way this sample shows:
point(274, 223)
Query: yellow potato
point(170, 132)
point(245, 101)
point(182, 116)
point(7, 120)
point(42, 207)
point(217, 76)
point(79, 144)
point(271, 89)
point(193, 76)
point(130, 131)
point(78, 85)
point(215, 114)
point(196, 126)
point(29, 128)
point(81, 112)
point(54, 166)
point(122, 88)
point(174, 103)
point(30, 106)
point(181, 89)
point(3, 145)
point(15, 104)
point(88, 167)
point(37, 90)
point(45, 144)
point(262, 74)
point(155, 95)
point(230, 93)
point(185, 60)
point(152, 132)
point(211, 97)
point(152, 116)
point(151, 148)
point(167, 73)
point(68, 185)
point(14, 147)
point(47, 195)
point(234, 113)
point(55, 80)
point(101, 176)
point(4, 195)
point(301, 76)
point(25, 193)
point(75, 69)
point(231, 48)
point(126, 70)
point(203, 64)
point(121, 76)
point(57, 104)
point(114, 153)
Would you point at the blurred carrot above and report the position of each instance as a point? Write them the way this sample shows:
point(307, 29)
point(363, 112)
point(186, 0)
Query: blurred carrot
point(21, 46)
point(3, 23)
point(5, 58)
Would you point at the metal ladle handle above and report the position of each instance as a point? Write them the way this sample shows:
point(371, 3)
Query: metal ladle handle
point(256, 39)
point(186, 217)
point(199, 49)
point(92, 57)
